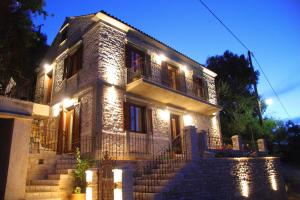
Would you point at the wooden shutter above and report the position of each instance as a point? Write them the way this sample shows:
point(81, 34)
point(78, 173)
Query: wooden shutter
point(205, 85)
point(76, 127)
point(149, 120)
point(195, 85)
point(60, 134)
point(128, 55)
point(66, 66)
point(147, 65)
point(164, 74)
point(126, 116)
point(79, 58)
point(182, 83)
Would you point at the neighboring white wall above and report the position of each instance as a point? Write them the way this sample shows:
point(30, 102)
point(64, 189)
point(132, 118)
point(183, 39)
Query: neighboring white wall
point(17, 170)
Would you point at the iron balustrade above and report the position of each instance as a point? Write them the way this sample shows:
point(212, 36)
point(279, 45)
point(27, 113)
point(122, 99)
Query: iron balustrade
point(147, 178)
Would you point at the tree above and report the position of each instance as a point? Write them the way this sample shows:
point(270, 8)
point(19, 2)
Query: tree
point(22, 44)
point(234, 85)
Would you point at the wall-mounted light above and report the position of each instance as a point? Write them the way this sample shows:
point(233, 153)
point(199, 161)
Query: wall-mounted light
point(111, 94)
point(187, 120)
point(47, 68)
point(184, 68)
point(118, 184)
point(67, 102)
point(56, 110)
point(164, 114)
point(89, 193)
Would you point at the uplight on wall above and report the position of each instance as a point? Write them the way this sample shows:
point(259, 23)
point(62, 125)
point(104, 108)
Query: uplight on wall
point(67, 102)
point(118, 184)
point(111, 73)
point(160, 58)
point(184, 68)
point(187, 120)
point(270, 168)
point(164, 114)
point(47, 68)
point(111, 94)
point(56, 110)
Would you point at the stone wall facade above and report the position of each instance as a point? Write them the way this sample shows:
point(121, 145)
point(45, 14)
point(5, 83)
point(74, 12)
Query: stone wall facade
point(229, 178)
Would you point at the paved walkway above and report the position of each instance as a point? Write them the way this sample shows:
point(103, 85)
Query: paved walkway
point(291, 176)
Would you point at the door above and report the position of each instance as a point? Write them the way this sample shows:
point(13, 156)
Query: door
point(5, 144)
point(69, 130)
point(175, 134)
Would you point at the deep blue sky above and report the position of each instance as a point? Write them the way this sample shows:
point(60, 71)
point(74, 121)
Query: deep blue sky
point(270, 28)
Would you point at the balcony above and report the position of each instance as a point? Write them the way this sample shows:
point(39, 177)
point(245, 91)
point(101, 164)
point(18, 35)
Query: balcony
point(148, 87)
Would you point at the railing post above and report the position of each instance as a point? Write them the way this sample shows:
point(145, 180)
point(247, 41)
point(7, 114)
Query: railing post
point(203, 142)
point(192, 143)
point(236, 142)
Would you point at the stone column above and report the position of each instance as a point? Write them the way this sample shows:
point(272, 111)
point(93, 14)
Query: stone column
point(192, 142)
point(127, 182)
point(262, 145)
point(203, 142)
point(236, 142)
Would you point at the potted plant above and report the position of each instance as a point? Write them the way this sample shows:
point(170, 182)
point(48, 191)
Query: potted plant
point(80, 184)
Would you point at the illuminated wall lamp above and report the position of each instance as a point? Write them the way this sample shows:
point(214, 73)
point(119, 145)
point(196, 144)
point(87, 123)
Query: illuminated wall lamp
point(67, 102)
point(117, 184)
point(47, 68)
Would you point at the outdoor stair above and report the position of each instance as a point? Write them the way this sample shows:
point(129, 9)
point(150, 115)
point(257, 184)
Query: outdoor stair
point(150, 184)
point(58, 185)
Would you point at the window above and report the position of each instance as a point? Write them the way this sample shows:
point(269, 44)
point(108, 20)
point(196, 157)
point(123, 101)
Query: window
point(135, 118)
point(73, 63)
point(64, 34)
point(200, 87)
point(173, 77)
point(137, 63)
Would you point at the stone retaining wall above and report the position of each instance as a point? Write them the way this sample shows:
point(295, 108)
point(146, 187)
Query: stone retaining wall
point(229, 178)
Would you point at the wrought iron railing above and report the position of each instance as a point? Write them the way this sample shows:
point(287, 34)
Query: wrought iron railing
point(148, 178)
point(136, 73)
point(43, 138)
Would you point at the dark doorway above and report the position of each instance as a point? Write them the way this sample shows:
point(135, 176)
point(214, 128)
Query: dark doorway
point(175, 134)
point(6, 127)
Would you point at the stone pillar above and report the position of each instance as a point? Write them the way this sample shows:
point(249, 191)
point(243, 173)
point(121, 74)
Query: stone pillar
point(236, 142)
point(203, 142)
point(127, 182)
point(192, 142)
point(262, 145)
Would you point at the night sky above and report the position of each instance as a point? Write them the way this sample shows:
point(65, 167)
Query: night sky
point(270, 28)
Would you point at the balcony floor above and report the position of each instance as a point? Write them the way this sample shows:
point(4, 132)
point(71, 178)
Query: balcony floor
point(168, 96)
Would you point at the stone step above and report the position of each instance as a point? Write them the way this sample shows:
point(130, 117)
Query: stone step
point(66, 161)
point(41, 195)
point(58, 176)
point(152, 182)
point(45, 182)
point(148, 188)
point(64, 171)
point(42, 188)
point(143, 196)
point(157, 176)
point(65, 166)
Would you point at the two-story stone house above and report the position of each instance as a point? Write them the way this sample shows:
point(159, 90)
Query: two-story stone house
point(110, 84)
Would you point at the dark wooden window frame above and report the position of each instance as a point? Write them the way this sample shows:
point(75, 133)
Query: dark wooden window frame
point(147, 124)
point(199, 82)
point(73, 63)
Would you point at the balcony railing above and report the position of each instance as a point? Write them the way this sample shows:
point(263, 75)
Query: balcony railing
point(191, 88)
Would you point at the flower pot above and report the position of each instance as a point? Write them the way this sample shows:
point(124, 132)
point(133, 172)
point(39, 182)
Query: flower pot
point(80, 196)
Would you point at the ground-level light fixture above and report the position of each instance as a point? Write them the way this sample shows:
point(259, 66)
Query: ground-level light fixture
point(117, 184)
point(89, 189)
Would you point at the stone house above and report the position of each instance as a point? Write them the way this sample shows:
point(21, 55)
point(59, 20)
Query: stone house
point(105, 80)
point(144, 110)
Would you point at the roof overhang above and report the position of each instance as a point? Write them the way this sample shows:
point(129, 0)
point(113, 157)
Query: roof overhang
point(165, 95)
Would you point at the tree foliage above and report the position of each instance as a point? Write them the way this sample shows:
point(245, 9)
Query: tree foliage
point(234, 85)
point(21, 43)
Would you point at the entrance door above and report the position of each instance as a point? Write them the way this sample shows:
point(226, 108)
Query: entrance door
point(69, 131)
point(175, 134)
